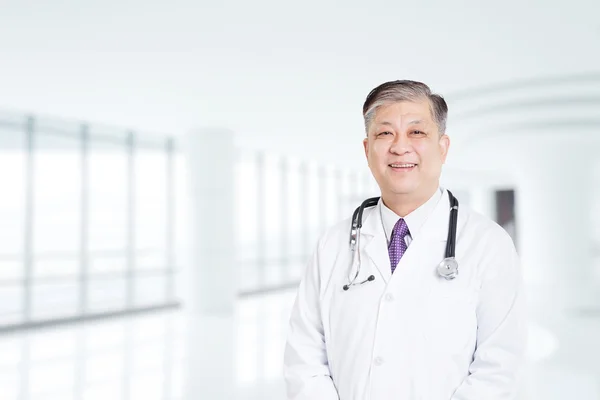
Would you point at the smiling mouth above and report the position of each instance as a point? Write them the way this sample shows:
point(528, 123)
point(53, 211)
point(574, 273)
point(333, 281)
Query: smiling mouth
point(403, 167)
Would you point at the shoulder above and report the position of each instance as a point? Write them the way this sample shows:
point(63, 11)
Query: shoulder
point(487, 245)
point(483, 229)
point(334, 235)
point(339, 232)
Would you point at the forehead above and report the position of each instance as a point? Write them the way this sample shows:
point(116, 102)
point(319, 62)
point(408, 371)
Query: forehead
point(404, 112)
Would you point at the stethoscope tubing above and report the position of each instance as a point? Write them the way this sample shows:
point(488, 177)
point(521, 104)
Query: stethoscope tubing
point(447, 269)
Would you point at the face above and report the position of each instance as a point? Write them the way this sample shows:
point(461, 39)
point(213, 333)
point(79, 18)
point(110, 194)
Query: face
point(405, 151)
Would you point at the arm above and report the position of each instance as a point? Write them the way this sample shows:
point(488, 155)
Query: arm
point(306, 369)
point(501, 328)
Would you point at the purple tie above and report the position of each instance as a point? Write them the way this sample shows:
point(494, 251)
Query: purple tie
point(397, 244)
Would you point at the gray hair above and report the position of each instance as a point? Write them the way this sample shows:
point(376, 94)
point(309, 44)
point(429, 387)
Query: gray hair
point(405, 90)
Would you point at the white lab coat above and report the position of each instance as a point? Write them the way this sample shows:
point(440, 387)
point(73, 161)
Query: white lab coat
point(411, 335)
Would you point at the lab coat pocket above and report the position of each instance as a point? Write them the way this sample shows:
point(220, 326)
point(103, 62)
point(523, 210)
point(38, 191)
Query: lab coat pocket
point(449, 318)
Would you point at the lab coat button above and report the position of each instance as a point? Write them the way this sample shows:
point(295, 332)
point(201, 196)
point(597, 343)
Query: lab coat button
point(378, 360)
point(389, 297)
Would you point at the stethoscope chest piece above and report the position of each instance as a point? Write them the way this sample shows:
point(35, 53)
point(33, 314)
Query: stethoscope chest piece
point(448, 268)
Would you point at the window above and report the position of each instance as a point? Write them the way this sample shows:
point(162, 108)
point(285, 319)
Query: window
point(86, 221)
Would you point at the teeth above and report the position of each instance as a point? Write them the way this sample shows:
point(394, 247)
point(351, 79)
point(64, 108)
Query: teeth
point(402, 165)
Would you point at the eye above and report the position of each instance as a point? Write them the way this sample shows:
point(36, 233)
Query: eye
point(384, 133)
point(418, 132)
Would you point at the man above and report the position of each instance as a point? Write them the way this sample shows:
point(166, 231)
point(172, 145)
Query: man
point(406, 332)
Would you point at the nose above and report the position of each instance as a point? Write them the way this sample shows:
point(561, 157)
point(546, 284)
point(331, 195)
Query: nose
point(400, 145)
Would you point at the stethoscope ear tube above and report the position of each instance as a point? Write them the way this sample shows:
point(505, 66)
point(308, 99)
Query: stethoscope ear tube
point(357, 220)
point(451, 241)
point(448, 268)
point(355, 236)
point(367, 203)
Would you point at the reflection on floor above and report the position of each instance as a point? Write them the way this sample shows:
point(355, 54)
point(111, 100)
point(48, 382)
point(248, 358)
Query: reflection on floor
point(146, 358)
point(141, 358)
point(118, 359)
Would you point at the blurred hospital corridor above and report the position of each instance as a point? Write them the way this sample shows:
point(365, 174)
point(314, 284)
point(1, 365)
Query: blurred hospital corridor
point(166, 171)
point(106, 308)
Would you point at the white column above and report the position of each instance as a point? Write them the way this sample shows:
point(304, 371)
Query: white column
point(210, 276)
point(210, 158)
point(553, 201)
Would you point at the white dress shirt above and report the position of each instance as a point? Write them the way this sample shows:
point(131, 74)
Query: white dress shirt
point(414, 220)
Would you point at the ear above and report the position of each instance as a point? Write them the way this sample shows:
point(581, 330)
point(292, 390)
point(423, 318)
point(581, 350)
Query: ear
point(444, 144)
point(366, 146)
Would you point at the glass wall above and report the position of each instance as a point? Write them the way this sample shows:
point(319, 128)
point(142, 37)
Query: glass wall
point(87, 221)
point(283, 205)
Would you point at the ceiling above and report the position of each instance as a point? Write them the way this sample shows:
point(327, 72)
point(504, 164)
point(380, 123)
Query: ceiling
point(285, 77)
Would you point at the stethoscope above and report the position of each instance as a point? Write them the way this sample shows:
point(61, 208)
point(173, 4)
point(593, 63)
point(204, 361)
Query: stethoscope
point(447, 268)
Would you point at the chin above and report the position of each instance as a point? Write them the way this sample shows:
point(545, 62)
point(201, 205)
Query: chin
point(403, 189)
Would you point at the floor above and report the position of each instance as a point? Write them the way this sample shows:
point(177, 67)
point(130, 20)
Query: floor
point(163, 355)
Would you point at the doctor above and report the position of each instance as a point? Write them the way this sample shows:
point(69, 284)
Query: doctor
point(407, 333)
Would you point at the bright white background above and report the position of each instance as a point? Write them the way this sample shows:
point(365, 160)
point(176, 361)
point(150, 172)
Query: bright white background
point(291, 79)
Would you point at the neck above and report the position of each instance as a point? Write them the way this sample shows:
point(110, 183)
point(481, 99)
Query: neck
point(404, 204)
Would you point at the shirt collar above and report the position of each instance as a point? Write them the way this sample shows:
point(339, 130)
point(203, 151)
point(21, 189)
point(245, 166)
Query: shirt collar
point(414, 220)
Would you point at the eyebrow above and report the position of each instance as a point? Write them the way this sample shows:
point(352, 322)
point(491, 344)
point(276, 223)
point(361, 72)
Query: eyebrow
point(413, 122)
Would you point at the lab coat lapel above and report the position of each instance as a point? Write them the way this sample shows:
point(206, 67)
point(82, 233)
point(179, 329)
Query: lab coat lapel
point(435, 227)
point(376, 246)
